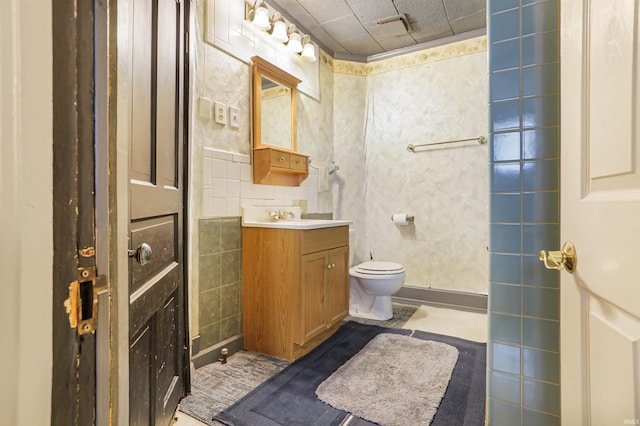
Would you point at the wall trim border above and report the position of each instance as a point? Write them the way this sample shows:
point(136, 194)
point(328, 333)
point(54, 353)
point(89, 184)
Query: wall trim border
point(473, 302)
point(407, 60)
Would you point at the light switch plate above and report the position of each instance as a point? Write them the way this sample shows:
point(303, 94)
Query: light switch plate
point(204, 108)
point(234, 117)
point(220, 113)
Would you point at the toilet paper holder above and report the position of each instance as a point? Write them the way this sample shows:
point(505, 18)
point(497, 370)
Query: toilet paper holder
point(409, 218)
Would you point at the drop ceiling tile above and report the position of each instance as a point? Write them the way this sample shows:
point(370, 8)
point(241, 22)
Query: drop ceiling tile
point(469, 23)
point(459, 9)
point(293, 11)
point(284, 3)
point(427, 17)
point(372, 10)
point(326, 10)
point(344, 28)
point(424, 37)
point(320, 36)
point(363, 45)
point(397, 42)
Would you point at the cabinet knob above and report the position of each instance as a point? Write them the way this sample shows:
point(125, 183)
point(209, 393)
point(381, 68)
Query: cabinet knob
point(281, 158)
point(329, 266)
point(300, 162)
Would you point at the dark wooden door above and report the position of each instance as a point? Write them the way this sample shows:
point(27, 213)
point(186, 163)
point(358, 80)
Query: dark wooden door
point(75, 284)
point(156, 297)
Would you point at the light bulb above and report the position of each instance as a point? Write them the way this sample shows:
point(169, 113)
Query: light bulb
point(280, 32)
point(308, 50)
point(294, 42)
point(261, 18)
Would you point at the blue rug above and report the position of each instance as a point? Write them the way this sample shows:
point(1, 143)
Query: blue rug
point(289, 399)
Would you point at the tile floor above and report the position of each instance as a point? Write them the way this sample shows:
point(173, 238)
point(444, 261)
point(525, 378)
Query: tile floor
point(451, 322)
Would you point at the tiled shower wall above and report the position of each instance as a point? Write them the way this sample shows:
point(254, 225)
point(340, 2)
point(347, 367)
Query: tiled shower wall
point(523, 363)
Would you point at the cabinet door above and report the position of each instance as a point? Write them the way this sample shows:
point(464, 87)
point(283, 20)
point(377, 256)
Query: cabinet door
point(337, 288)
point(312, 294)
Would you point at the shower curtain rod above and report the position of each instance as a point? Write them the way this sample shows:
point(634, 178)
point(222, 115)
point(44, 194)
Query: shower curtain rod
point(481, 140)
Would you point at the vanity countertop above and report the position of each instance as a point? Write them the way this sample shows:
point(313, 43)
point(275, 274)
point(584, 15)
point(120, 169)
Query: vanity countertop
point(260, 217)
point(297, 223)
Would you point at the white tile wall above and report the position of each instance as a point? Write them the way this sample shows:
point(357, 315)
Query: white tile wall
point(228, 186)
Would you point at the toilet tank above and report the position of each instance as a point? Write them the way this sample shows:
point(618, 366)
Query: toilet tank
point(352, 245)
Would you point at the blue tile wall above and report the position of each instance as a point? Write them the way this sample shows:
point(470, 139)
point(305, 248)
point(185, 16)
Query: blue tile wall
point(523, 350)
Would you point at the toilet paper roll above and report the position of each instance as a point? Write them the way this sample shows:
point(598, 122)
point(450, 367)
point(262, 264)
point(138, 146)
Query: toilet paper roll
point(400, 218)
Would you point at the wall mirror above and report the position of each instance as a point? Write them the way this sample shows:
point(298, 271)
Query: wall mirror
point(274, 106)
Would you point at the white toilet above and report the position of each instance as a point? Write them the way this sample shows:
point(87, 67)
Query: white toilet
point(371, 286)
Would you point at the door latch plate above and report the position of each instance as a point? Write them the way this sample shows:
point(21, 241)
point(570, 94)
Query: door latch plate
point(82, 304)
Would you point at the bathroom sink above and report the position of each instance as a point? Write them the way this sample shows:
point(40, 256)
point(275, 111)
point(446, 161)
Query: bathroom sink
point(259, 217)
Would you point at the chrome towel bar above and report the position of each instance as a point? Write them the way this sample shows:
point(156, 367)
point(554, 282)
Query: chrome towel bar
point(481, 140)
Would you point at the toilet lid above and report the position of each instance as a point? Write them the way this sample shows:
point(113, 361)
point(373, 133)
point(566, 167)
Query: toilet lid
point(379, 268)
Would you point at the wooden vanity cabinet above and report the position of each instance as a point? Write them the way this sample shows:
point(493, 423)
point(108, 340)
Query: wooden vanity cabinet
point(295, 288)
point(273, 166)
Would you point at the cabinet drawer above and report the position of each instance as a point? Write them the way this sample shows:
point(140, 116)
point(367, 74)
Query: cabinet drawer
point(298, 162)
point(315, 240)
point(280, 159)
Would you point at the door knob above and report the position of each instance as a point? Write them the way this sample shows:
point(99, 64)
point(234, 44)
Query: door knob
point(561, 259)
point(142, 253)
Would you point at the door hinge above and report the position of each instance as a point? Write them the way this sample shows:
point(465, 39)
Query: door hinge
point(82, 304)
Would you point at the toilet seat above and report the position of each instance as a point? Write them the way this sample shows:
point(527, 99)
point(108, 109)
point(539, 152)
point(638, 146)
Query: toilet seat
point(379, 268)
point(371, 285)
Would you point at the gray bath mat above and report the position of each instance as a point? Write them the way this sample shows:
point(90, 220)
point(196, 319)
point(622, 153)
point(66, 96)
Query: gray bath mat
point(394, 380)
point(289, 399)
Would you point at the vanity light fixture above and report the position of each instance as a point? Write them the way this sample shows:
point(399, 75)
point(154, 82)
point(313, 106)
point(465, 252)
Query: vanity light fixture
point(279, 32)
point(308, 50)
point(261, 16)
point(295, 40)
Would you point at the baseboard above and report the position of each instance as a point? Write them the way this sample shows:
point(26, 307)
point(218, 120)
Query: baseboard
point(195, 345)
point(212, 354)
point(473, 302)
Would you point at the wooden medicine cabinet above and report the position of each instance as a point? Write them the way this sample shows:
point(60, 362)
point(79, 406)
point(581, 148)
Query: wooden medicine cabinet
point(275, 157)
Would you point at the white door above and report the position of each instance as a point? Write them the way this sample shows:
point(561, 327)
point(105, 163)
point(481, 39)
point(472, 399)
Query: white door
point(600, 213)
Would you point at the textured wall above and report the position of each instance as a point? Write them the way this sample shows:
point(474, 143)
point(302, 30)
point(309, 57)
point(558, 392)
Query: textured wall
point(315, 131)
point(445, 188)
point(523, 349)
point(417, 98)
point(348, 184)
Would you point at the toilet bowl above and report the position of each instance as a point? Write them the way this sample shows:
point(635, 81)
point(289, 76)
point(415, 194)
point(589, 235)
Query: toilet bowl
point(370, 288)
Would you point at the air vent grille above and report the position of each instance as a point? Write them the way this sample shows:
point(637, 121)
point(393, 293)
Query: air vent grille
point(393, 26)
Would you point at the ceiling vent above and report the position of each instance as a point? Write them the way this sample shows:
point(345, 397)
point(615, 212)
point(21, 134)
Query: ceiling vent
point(393, 26)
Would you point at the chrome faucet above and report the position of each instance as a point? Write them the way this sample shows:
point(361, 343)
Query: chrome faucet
point(282, 214)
